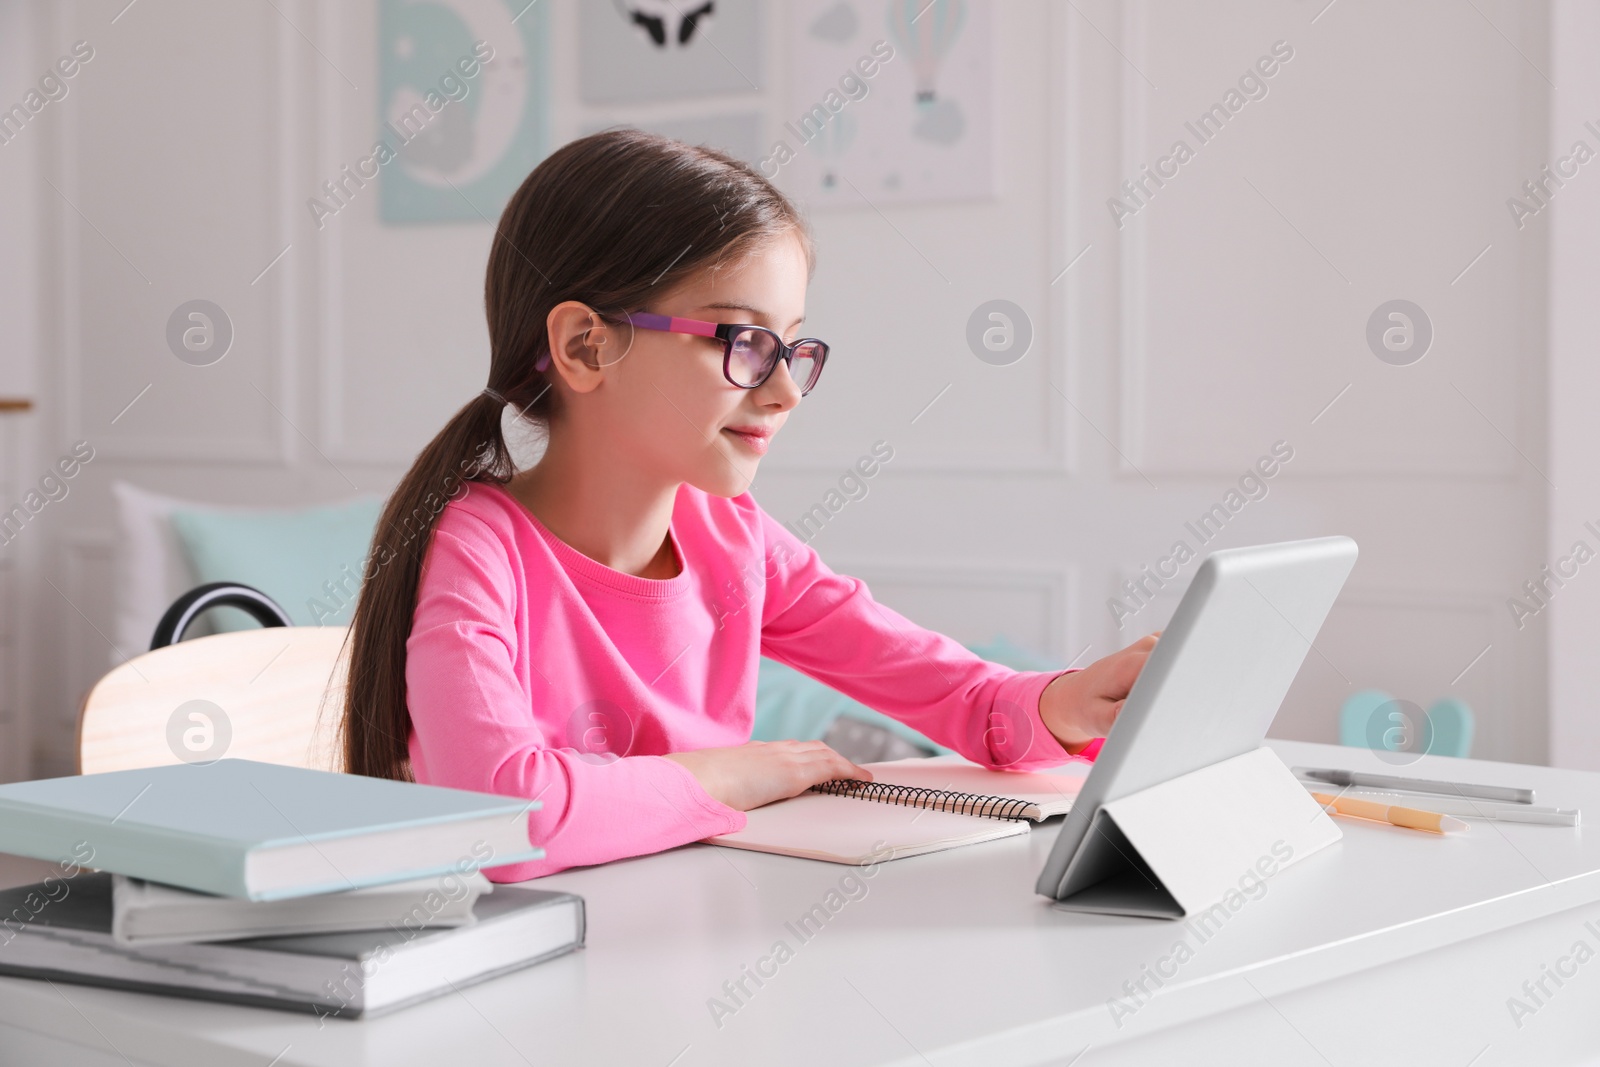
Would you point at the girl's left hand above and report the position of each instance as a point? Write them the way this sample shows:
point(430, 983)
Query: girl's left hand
point(1081, 706)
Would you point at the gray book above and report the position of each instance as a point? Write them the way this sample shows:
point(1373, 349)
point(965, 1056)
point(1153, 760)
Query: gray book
point(60, 929)
point(149, 913)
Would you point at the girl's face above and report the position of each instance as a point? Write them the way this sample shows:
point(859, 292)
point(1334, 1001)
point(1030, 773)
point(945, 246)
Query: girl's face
point(667, 405)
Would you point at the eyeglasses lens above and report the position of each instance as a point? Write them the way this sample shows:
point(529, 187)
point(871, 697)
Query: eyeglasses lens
point(806, 365)
point(751, 356)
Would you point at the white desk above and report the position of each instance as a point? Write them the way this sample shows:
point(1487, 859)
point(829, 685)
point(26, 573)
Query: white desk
point(1390, 946)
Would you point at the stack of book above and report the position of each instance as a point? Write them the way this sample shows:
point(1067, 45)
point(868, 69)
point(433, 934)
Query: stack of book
point(276, 886)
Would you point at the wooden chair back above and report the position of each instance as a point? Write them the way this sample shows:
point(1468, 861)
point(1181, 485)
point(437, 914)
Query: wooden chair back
point(272, 694)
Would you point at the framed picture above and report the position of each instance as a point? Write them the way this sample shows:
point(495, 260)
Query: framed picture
point(463, 108)
point(889, 100)
point(630, 51)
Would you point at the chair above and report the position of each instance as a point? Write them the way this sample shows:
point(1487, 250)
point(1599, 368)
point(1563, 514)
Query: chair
point(272, 694)
point(1448, 730)
point(1356, 717)
point(1452, 727)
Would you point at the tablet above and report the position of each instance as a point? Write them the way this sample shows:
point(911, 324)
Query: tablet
point(1216, 677)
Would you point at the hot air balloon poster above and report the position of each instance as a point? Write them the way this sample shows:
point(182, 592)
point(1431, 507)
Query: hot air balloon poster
point(890, 101)
point(462, 106)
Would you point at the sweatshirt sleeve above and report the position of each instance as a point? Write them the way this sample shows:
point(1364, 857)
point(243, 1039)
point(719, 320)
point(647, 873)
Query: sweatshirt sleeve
point(828, 626)
point(477, 726)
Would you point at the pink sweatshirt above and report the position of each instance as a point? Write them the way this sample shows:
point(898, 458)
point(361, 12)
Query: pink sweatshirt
point(535, 671)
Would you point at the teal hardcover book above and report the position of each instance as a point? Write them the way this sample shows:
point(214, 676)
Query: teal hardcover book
point(261, 831)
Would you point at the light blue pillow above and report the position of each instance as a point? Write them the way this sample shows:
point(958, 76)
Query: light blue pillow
point(309, 560)
point(794, 706)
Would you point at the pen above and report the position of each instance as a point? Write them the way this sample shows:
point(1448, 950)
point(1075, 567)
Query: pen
point(1476, 809)
point(1412, 818)
point(1504, 793)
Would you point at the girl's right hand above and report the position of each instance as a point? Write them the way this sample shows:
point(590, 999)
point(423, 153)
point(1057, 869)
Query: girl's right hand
point(759, 772)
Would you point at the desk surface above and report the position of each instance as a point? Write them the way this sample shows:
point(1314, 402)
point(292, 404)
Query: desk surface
point(946, 958)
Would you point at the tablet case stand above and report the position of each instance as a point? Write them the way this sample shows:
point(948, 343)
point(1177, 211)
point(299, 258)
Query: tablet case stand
point(1184, 845)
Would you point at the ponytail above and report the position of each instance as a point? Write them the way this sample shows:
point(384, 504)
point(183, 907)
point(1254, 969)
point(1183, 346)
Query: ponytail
point(471, 447)
point(613, 220)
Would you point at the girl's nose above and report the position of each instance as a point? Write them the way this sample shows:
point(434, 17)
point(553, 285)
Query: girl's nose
point(780, 387)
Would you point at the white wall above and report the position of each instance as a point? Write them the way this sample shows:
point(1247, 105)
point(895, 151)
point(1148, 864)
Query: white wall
point(1574, 228)
point(1223, 317)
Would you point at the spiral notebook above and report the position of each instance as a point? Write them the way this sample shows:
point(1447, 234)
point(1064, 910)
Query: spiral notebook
point(910, 807)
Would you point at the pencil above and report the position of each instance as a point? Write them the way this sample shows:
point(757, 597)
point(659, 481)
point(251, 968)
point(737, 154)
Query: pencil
point(1464, 806)
point(1413, 818)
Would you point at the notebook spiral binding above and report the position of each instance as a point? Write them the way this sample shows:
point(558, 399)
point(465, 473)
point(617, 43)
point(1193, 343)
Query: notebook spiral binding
point(918, 797)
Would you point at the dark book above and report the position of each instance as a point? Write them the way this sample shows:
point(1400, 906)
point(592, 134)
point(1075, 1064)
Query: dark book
point(60, 929)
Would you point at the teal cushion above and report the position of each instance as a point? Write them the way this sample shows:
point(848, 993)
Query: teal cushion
point(792, 705)
point(309, 560)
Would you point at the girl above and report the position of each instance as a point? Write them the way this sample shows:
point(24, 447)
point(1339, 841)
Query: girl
point(585, 633)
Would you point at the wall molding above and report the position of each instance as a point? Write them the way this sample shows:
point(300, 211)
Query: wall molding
point(277, 305)
point(1133, 310)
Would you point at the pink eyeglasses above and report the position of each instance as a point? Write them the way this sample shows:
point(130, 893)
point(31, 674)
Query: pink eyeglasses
point(749, 353)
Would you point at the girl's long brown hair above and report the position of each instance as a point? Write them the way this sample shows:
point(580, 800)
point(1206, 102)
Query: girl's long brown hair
point(613, 220)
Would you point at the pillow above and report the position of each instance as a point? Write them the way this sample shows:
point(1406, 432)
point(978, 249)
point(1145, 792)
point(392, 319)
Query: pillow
point(150, 568)
point(309, 560)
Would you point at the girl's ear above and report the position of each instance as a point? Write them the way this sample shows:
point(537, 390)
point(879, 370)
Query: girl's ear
point(581, 345)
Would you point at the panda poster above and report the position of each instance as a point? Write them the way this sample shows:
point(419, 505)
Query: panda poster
point(889, 102)
point(634, 51)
